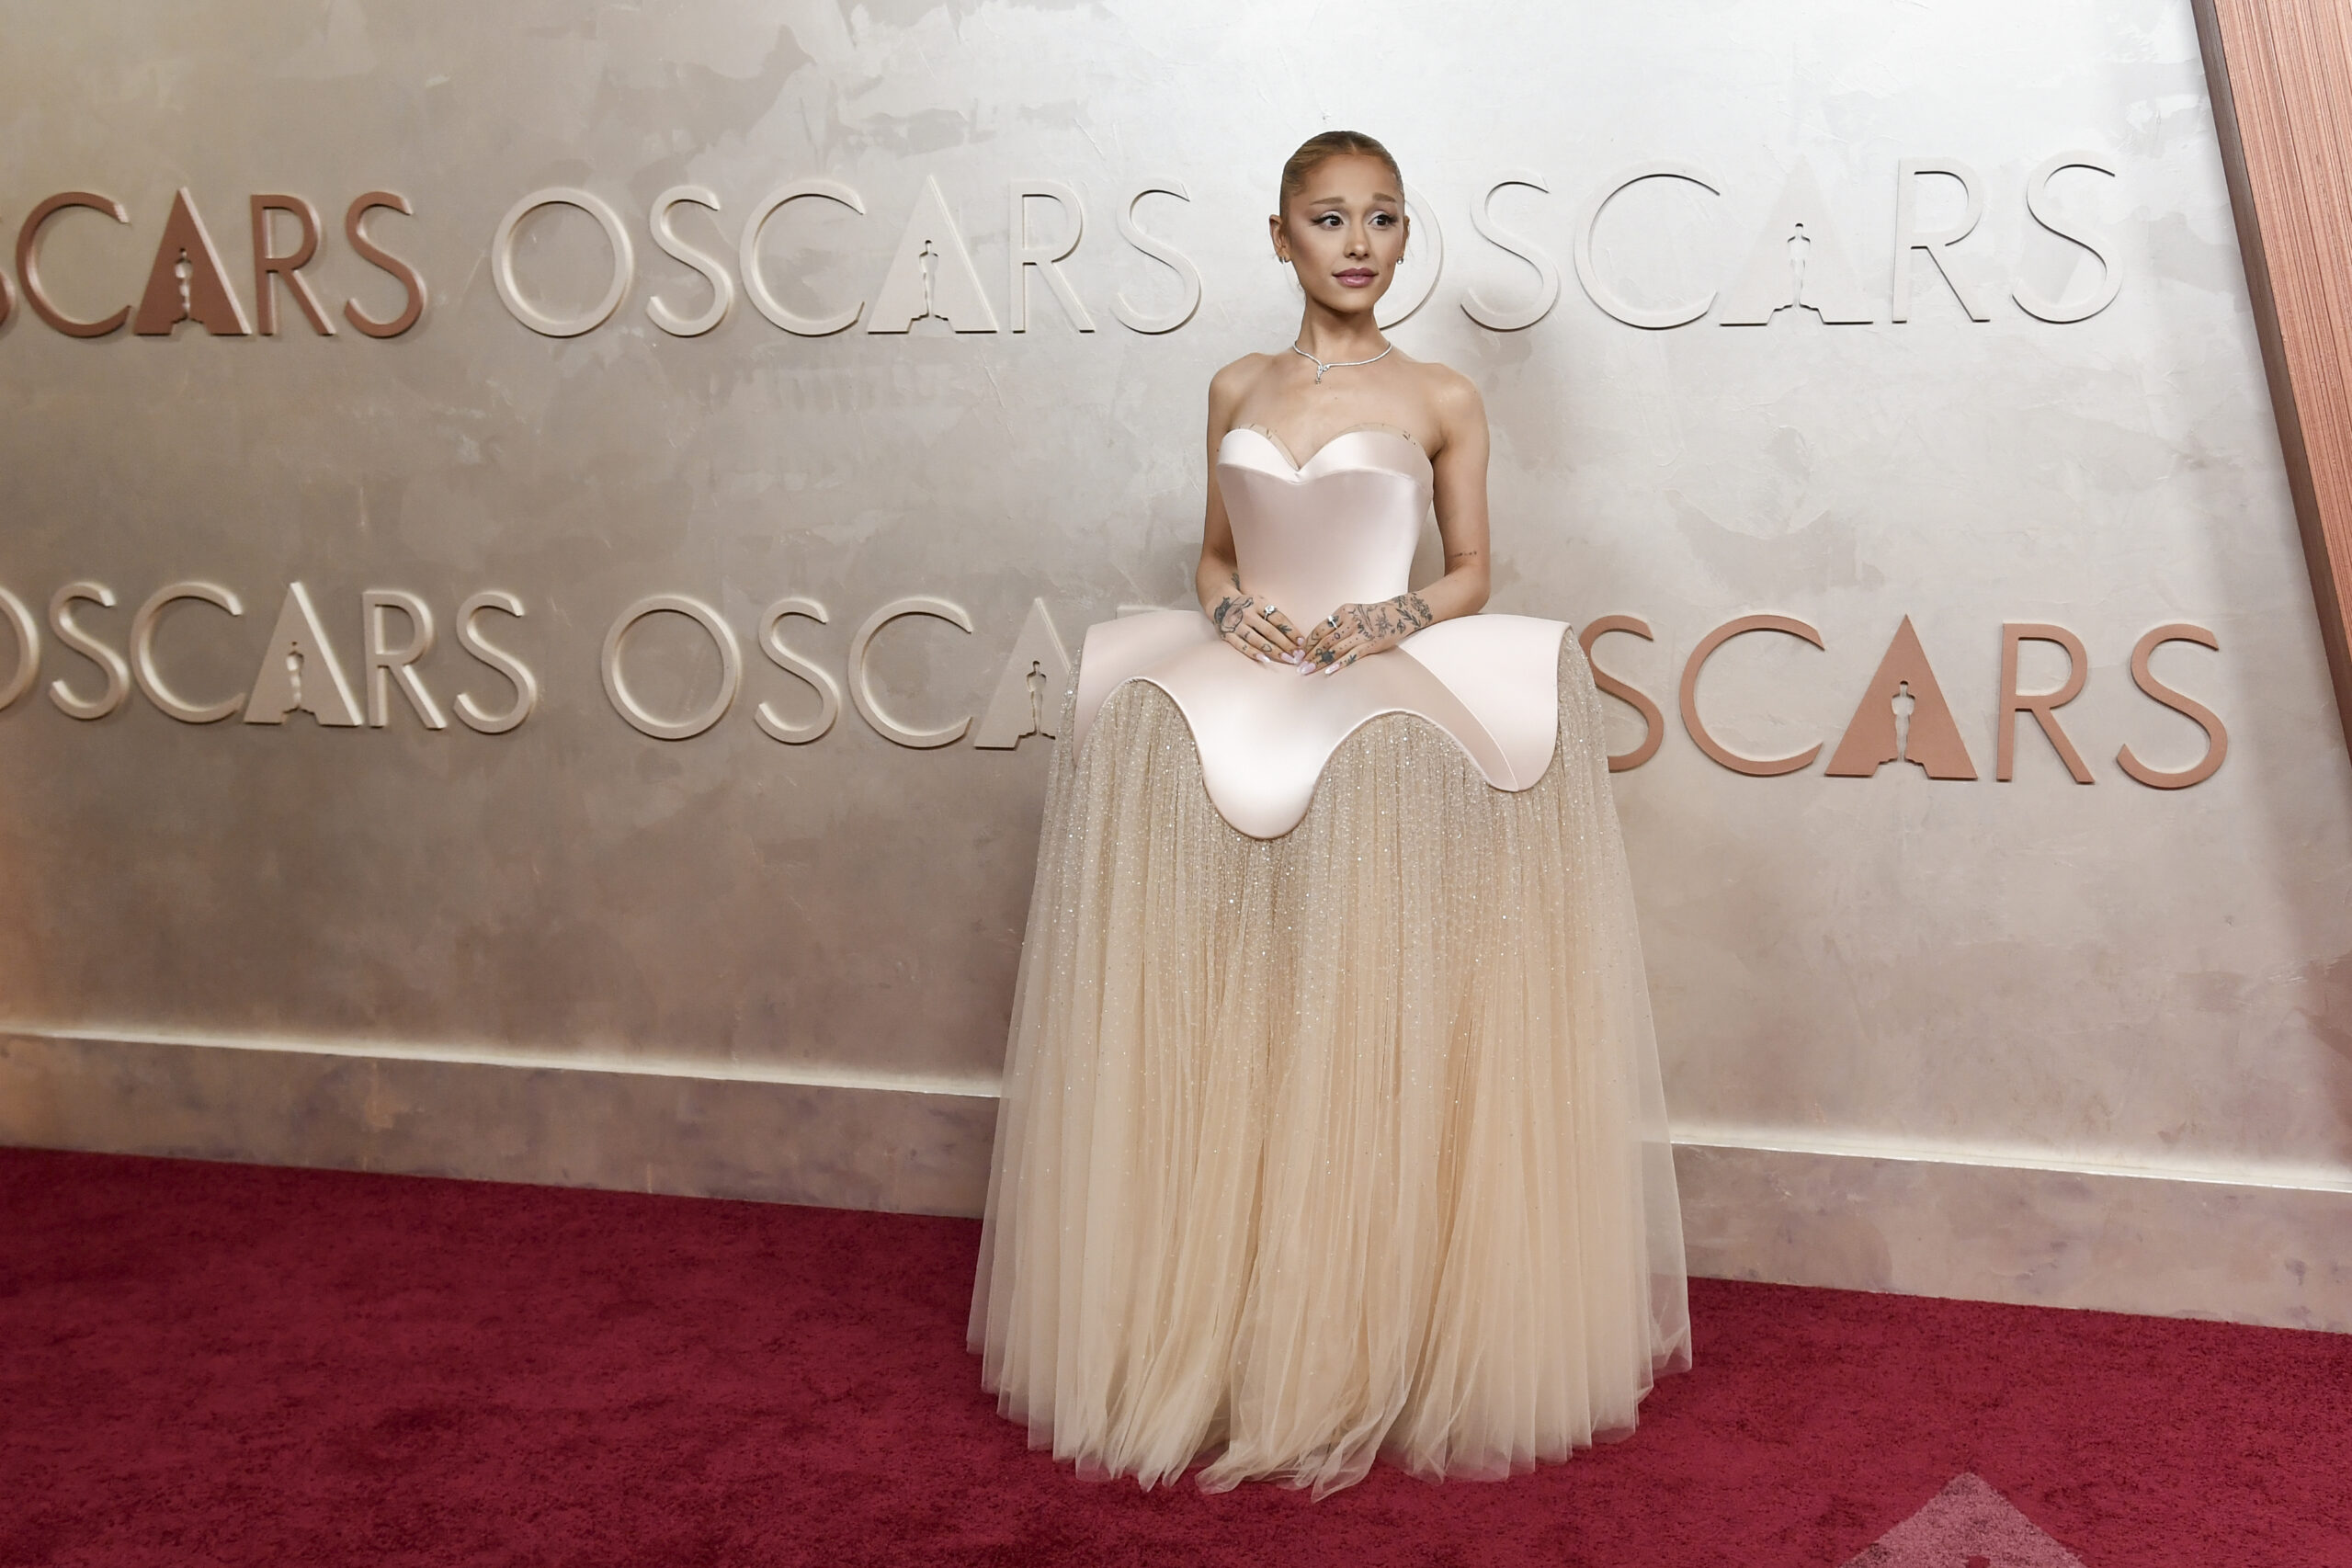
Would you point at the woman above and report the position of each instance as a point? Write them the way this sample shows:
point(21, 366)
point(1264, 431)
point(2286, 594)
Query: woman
point(1332, 1124)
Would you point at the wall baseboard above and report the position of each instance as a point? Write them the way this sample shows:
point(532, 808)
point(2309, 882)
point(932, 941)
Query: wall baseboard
point(1921, 1224)
point(699, 1135)
point(2039, 1235)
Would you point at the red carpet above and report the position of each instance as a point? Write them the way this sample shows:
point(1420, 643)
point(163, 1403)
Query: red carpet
point(226, 1365)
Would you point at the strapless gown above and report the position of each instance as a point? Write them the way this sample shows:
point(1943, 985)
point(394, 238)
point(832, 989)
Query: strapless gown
point(1332, 1124)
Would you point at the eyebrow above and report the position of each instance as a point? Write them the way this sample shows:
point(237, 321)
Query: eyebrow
point(1341, 201)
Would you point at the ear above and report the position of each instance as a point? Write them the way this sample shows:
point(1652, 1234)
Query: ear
point(1274, 232)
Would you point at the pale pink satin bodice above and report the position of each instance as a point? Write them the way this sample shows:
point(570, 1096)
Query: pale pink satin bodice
point(1340, 528)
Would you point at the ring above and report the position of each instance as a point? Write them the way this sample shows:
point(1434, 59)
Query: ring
point(1332, 621)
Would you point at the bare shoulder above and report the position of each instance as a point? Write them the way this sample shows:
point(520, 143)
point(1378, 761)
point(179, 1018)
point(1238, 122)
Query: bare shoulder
point(1233, 383)
point(1453, 399)
point(1454, 395)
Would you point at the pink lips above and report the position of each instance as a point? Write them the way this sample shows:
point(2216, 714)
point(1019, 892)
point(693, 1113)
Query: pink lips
point(1355, 276)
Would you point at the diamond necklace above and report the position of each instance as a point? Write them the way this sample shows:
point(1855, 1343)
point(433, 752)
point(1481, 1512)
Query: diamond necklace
point(1321, 365)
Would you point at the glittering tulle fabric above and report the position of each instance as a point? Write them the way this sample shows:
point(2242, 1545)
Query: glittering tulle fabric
point(1340, 1145)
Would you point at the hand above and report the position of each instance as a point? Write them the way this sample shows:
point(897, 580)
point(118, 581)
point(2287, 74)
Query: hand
point(1351, 631)
point(1256, 626)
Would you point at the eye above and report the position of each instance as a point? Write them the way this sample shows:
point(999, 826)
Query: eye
point(1328, 219)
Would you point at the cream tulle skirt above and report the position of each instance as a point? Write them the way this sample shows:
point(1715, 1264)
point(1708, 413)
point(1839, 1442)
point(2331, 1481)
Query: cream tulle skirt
point(1344, 1143)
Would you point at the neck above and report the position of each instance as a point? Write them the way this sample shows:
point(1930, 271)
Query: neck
point(1330, 338)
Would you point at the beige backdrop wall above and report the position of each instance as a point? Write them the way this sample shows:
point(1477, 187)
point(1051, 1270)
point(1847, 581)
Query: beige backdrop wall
point(2029, 1039)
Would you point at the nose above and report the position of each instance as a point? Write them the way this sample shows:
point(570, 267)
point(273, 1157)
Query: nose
point(1359, 240)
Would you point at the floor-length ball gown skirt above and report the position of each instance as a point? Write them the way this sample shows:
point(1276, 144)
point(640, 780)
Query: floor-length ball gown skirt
point(1340, 1145)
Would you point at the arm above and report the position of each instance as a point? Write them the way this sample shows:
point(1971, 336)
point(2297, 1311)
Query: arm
point(1256, 629)
point(1460, 499)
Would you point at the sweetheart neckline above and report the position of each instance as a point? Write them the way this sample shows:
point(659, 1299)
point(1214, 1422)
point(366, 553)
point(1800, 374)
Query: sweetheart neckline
point(1282, 447)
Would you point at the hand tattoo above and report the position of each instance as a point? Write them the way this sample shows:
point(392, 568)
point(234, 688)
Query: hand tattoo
point(1229, 612)
point(1399, 617)
point(1391, 621)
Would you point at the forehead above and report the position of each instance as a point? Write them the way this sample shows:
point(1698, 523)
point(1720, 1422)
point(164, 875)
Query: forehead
point(1345, 176)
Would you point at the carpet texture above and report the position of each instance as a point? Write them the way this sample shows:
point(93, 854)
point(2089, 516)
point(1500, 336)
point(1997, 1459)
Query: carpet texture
point(211, 1364)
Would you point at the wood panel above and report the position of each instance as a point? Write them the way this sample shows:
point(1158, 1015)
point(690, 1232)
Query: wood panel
point(2282, 78)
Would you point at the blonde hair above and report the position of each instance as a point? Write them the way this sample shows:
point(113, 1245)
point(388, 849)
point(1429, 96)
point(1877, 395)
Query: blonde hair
point(1315, 149)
